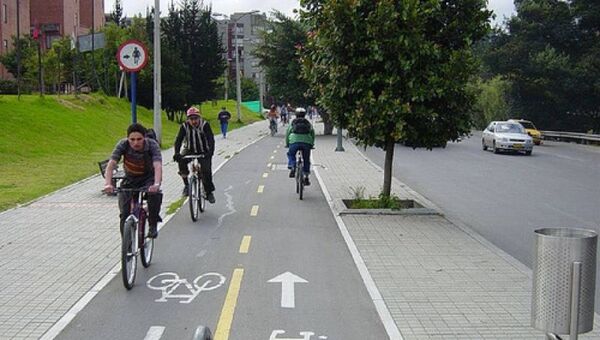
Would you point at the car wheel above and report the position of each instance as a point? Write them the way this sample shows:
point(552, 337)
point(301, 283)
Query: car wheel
point(483, 146)
point(494, 149)
point(528, 153)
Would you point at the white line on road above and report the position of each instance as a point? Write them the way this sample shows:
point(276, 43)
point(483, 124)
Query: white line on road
point(384, 313)
point(154, 333)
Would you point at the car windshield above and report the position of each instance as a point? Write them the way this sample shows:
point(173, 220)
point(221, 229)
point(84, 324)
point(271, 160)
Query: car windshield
point(528, 125)
point(509, 128)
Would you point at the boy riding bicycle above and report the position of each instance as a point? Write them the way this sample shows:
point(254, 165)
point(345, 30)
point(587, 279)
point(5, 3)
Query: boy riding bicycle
point(300, 135)
point(142, 162)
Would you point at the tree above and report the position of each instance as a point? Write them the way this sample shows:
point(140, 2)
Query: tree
point(394, 69)
point(116, 16)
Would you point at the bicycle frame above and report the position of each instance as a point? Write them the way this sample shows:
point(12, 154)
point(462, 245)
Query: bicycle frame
point(137, 211)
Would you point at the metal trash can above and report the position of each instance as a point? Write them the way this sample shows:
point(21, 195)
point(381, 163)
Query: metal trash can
point(564, 259)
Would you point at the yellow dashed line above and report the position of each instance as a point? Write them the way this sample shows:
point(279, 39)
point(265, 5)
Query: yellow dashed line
point(274, 151)
point(245, 245)
point(272, 157)
point(261, 188)
point(226, 318)
point(265, 175)
point(268, 165)
point(254, 211)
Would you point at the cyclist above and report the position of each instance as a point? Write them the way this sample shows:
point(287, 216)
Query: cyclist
point(284, 114)
point(198, 139)
point(142, 162)
point(272, 116)
point(300, 135)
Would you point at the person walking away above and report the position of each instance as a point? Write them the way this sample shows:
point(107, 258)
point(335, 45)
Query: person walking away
point(196, 137)
point(224, 117)
point(300, 135)
point(142, 162)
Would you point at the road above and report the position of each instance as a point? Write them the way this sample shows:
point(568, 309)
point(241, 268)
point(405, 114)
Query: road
point(257, 231)
point(505, 197)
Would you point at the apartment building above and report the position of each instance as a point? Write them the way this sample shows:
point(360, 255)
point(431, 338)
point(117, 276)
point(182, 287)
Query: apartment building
point(52, 18)
point(244, 30)
point(8, 26)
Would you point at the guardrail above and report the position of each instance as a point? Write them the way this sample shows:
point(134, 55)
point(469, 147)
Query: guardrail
point(581, 138)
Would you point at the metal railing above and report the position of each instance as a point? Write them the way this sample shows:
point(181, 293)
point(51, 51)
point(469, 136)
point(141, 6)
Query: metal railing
point(582, 138)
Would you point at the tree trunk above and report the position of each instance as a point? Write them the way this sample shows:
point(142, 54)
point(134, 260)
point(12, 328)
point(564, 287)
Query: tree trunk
point(327, 128)
point(387, 169)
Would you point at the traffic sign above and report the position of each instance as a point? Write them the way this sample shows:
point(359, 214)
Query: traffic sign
point(132, 55)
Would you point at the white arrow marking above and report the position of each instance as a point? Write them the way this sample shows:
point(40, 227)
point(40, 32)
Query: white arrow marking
point(305, 335)
point(287, 281)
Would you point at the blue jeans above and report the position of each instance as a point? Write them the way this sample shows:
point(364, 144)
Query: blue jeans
point(305, 147)
point(224, 128)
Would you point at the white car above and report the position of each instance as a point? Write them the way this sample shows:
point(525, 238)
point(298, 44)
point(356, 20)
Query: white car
point(506, 136)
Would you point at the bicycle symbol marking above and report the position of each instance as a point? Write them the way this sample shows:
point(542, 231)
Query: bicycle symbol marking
point(306, 335)
point(169, 282)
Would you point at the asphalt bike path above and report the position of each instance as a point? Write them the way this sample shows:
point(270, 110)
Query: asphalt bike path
point(258, 264)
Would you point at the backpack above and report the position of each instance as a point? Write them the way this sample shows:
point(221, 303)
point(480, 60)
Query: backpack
point(301, 126)
point(150, 133)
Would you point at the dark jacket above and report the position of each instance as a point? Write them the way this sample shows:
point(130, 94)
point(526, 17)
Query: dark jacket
point(224, 116)
point(195, 141)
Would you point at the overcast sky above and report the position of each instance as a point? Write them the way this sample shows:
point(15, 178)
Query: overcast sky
point(502, 8)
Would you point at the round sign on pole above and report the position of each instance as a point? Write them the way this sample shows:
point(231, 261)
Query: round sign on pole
point(132, 56)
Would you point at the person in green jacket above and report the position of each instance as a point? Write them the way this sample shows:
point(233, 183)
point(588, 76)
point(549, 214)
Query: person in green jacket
point(300, 135)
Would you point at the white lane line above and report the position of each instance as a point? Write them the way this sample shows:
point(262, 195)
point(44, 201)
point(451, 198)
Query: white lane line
point(265, 175)
point(154, 333)
point(384, 314)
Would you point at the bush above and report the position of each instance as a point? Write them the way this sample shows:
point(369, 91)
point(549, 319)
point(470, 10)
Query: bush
point(8, 86)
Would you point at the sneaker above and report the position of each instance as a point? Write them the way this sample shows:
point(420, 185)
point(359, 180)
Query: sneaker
point(292, 173)
point(153, 232)
point(306, 181)
point(185, 190)
point(211, 198)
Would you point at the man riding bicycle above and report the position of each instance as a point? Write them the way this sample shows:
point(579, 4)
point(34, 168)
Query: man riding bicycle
point(300, 135)
point(198, 139)
point(142, 162)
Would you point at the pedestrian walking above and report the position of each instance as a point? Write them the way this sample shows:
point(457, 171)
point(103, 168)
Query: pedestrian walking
point(224, 117)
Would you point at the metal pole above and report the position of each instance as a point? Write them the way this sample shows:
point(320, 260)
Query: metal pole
point(40, 75)
point(133, 97)
point(261, 90)
point(157, 73)
point(575, 289)
point(238, 84)
point(339, 146)
point(18, 53)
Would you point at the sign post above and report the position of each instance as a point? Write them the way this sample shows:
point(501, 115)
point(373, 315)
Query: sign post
point(132, 56)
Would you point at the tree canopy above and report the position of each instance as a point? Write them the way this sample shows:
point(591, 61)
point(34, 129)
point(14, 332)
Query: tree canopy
point(394, 70)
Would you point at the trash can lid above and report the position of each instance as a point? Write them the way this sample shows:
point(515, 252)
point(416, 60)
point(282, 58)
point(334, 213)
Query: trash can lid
point(567, 232)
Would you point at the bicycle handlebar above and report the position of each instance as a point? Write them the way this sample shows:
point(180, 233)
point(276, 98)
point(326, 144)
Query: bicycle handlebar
point(193, 156)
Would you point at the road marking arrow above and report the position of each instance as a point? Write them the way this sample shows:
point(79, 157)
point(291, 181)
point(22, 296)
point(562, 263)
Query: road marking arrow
point(287, 281)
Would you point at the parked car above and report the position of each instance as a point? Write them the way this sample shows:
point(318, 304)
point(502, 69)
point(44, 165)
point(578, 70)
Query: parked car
point(506, 136)
point(531, 130)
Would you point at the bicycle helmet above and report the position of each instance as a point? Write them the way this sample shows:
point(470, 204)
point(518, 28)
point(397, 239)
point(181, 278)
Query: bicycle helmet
point(193, 111)
point(300, 112)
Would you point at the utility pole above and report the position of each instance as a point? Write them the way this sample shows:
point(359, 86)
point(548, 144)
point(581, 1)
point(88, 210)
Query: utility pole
point(18, 52)
point(157, 73)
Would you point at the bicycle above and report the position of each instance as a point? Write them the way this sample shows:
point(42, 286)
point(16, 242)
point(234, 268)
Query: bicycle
point(273, 126)
point(299, 177)
point(135, 240)
point(196, 192)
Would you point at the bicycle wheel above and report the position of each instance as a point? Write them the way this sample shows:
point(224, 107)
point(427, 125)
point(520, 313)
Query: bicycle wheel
point(128, 258)
point(146, 243)
point(298, 176)
point(201, 196)
point(193, 198)
point(301, 184)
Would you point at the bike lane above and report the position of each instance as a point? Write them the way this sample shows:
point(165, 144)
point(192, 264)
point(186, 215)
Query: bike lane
point(260, 264)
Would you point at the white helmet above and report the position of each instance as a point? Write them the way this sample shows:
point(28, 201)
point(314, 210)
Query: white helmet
point(300, 111)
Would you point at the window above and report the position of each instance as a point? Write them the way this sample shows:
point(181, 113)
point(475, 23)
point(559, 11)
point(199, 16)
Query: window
point(5, 45)
point(5, 13)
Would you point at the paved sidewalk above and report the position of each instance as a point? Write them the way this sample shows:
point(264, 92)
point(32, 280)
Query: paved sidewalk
point(54, 250)
point(438, 281)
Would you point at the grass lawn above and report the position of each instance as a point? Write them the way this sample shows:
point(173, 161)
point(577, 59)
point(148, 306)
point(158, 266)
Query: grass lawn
point(50, 142)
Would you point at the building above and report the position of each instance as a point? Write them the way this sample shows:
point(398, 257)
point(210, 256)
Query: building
point(8, 26)
point(59, 18)
point(244, 30)
point(52, 19)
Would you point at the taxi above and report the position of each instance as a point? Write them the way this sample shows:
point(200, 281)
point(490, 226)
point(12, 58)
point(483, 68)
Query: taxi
point(535, 134)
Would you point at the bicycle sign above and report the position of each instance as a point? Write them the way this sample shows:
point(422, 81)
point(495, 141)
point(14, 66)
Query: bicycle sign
point(168, 283)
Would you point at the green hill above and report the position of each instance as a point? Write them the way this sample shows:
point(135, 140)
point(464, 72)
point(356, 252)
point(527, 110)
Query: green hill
point(50, 142)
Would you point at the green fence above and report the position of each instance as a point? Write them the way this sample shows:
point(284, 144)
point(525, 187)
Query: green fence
point(253, 106)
